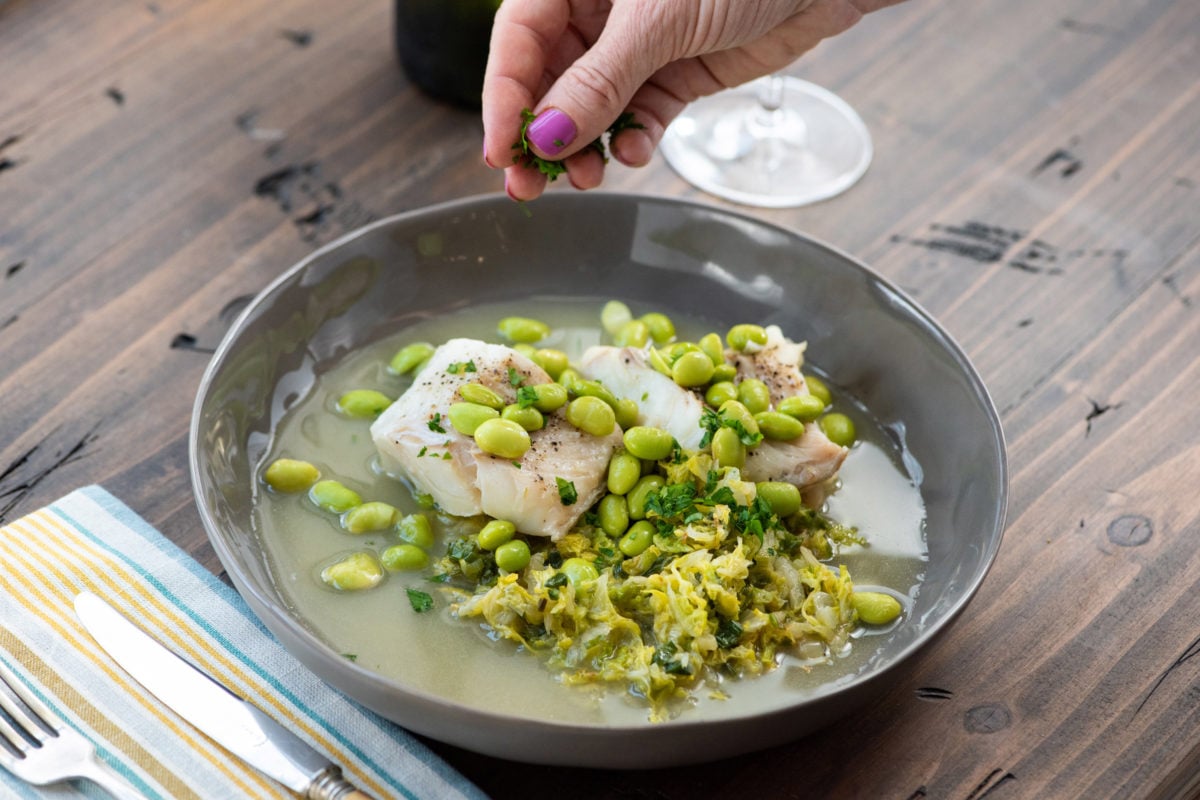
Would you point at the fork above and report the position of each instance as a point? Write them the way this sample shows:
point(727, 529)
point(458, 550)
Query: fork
point(38, 747)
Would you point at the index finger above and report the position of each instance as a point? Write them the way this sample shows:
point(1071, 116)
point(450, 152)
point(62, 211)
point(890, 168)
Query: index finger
point(524, 36)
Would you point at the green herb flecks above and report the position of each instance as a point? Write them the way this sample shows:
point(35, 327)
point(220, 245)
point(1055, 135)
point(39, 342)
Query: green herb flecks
point(420, 601)
point(552, 169)
point(566, 491)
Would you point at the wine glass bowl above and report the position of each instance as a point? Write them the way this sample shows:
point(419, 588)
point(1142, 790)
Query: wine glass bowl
point(776, 142)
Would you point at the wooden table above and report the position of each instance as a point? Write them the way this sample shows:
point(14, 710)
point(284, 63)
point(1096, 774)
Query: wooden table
point(1036, 186)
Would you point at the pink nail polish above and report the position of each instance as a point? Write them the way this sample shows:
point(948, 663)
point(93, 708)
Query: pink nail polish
point(508, 191)
point(552, 131)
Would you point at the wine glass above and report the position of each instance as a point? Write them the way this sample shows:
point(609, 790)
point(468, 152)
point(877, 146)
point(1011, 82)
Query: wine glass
point(775, 142)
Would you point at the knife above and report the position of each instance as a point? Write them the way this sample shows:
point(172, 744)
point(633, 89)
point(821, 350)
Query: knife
point(235, 724)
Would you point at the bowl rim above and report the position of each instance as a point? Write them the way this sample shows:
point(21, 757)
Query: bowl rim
point(259, 603)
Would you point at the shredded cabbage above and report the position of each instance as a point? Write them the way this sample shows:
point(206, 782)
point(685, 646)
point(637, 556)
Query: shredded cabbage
point(725, 588)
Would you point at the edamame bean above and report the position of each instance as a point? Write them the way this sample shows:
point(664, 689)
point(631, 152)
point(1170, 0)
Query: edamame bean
point(333, 496)
point(839, 428)
point(875, 608)
point(733, 410)
point(662, 329)
point(650, 444)
point(635, 541)
point(496, 533)
point(503, 438)
point(614, 514)
point(624, 471)
point(754, 395)
point(777, 426)
point(804, 407)
point(817, 387)
point(727, 448)
point(363, 403)
point(614, 315)
point(693, 368)
point(481, 395)
point(591, 415)
point(746, 337)
point(290, 475)
point(676, 350)
point(528, 418)
point(585, 388)
point(569, 378)
point(410, 357)
point(720, 393)
point(626, 412)
point(354, 573)
point(658, 361)
point(632, 334)
point(523, 329)
point(415, 529)
point(550, 397)
point(638, 494)
point(580, 571)
point(551, 360)
point(712, 346)
point(404, 557)
point(724, 372)
point(512, 556)
point(525, 349)
point(373, 516)
point(783, 498)
point(467, 417)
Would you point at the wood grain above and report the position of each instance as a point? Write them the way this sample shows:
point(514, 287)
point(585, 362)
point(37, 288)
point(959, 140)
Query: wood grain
point(1036, 186)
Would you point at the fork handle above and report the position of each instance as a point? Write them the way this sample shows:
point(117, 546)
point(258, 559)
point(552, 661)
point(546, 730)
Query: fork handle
point(113, 782)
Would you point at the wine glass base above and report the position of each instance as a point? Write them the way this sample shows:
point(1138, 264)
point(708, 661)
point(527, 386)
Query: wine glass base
point(814, 146)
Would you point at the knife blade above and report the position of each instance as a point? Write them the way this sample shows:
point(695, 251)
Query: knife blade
point(238, 726)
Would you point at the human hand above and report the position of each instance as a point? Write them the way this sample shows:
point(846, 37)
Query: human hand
point(581, 63)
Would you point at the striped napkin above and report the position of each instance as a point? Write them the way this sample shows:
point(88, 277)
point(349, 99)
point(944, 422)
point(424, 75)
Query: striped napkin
point(90, 541)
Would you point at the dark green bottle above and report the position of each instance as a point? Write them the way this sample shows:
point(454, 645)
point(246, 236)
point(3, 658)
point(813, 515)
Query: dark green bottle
point(443, 46)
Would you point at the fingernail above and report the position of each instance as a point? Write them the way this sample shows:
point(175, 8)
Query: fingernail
point(552, 131)
point(485, 158)
point(508, 191)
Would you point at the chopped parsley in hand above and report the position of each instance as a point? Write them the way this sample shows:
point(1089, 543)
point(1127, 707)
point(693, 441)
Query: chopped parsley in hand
point(552, 169)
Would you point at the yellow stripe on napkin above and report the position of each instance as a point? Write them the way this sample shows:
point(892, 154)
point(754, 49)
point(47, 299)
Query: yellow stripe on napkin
point(89, 541)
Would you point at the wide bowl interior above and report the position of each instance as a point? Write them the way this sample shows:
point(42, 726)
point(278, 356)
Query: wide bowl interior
point(864, 333)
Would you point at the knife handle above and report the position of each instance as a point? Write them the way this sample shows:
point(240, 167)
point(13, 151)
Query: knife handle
point(330, 785)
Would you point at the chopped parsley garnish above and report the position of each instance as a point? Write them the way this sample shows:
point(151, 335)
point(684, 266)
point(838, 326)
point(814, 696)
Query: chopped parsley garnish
point(435, 423)
point(420, 601)
point(441, 577)
point(515, 378)
point(422, 451)
point(350, 656)
point(457, 367)
point(566, 491)
point(527, 396)
point(711, 422)
point(552, 169)
point(729, 633)
point(664, 656)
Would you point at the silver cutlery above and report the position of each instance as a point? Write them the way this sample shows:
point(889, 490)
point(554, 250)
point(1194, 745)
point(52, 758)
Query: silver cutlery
point(38, 747)
point(238, 726)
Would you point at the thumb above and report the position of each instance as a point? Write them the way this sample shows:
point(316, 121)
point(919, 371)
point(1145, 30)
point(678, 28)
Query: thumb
point(593, 91)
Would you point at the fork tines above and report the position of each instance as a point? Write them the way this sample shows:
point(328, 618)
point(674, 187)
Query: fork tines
point(26, 721)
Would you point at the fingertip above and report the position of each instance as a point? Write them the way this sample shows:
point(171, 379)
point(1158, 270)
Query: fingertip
point(633, 147)
point(585, 169)
point(522, 184)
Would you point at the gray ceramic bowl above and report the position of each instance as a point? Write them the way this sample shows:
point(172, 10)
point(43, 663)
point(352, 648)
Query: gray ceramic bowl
point(872, 340)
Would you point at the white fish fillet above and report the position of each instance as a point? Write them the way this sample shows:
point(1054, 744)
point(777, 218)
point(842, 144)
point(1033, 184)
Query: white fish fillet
point(470, 481)
point(777, 364)
point(662, 403)
point(804, 461)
